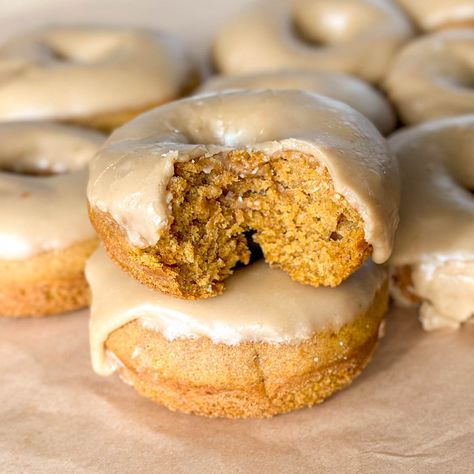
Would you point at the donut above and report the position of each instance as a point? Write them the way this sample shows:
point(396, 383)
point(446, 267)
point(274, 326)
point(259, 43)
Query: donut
point(431, 78)
point(351, 90)
point(175, 194)
point(357, 37)
point(432, 15)
point(268, 345)
point(433, 260)
point(45, 234)
point(95, 76)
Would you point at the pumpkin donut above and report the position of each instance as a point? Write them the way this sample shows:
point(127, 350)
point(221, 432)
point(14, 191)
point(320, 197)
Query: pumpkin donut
point(351, 90)
point(95, 76)
point(357, 37)
point(432, 77)
point(175, 192)
point(45, 235)
point(432, 15)
point(267, 346)
point(433, 259)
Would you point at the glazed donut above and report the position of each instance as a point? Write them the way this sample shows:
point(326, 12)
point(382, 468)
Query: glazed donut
point(95, 76)
point(432, 77)
point(354, 92)
point(358, 37)
point(433, 259)
point(174, 192)
point(45, 235)
point(267, 346)
point(432, 15)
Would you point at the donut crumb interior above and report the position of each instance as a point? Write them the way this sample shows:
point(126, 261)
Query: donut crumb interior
point(287, 200)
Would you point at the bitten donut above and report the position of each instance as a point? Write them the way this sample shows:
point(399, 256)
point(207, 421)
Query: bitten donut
point(45, 235)
point(433, 259)
point(354, 92)
point(432, 77)
point(175, 192)
point(432, 15)
point(95, 76)
point(357, 37)
point(267, 346)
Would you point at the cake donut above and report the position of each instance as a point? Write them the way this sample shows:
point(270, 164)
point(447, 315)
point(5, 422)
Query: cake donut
point(432, 77)
point(349, 89)
point(433, 259)
point(45, 234)
point(174, 193)
point(95, 76)
point(268, 345)
point(432, 15)
point(357, 37)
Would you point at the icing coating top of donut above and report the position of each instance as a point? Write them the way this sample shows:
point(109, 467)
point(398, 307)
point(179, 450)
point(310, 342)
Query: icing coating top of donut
point(437, 210)
point(349, 89)
point(436, 14)
point(43, 213)
point(436, 231)
point(69, 72)
point(260, 304)
point(352, 36)
point(432, 76)
point(129, 177)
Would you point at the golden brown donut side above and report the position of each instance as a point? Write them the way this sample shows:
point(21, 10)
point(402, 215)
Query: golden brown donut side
point(250, 379)
point(302, 225)
point(50, 283)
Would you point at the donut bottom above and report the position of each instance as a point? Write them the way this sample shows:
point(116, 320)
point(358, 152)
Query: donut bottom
point(251, 379)
point(47, 284)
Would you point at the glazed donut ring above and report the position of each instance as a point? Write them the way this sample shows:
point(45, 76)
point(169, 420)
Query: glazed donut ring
point(439, 14)
point(338, 35)
point(96, 76)
point(432, 77)
point(174, 192)
point(433, 259)
point(267, 346)
point(45, 236)
point(354, 92)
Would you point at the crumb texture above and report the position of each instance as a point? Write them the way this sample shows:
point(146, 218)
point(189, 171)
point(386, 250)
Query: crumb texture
point(286, 201)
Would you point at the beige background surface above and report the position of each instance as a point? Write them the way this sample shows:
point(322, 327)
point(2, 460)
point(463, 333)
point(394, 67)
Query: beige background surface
point(411, 411)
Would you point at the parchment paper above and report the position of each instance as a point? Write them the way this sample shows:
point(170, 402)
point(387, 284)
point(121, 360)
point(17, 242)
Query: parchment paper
point(412, 410)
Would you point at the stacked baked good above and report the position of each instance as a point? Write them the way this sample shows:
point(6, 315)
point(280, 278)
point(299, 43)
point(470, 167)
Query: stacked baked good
point(177, 194)
point(186, 196)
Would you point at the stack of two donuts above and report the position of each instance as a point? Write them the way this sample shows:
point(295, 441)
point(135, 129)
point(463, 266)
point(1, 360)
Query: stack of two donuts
point(60, 89)
point(178, 194)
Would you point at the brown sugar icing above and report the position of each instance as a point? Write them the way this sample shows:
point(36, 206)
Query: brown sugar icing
point(128, 178)
point(260, 304)
point(313, 34)
point(435, 236)
point(432, 77)
point(42, 213)
point(64, 73)
point(349, 89)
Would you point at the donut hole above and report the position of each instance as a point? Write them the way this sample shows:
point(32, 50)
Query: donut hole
point(285, 203)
